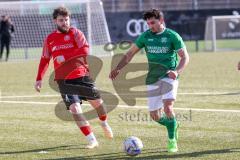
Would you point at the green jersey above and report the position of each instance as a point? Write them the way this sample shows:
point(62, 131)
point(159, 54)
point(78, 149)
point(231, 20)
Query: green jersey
point(161, 49)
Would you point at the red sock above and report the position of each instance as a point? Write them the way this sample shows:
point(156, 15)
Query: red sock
point(103, 117)
point(86, 130)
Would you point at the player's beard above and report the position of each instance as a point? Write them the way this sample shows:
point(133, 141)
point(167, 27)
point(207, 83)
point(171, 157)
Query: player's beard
point(62, 30)
point(155, 30)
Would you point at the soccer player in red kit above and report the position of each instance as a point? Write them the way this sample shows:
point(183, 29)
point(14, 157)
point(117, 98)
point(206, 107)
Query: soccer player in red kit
point(66, 46)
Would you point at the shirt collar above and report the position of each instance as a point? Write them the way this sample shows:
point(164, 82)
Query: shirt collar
point(161, 31)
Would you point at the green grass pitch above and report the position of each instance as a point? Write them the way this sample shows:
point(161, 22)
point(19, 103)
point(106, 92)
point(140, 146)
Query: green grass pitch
point(31, 130)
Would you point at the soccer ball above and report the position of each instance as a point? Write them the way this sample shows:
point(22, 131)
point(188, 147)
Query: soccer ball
point(132, 146)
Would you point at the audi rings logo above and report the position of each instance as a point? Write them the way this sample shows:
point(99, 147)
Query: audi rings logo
point(136, 26)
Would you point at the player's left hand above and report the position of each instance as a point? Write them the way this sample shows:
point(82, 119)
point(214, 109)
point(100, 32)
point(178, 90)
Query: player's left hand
point(172, 74)
point(238, 65)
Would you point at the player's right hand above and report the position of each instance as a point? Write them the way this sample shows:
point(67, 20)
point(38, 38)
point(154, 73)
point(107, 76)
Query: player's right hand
point(172, 74)
point(238, 65)
point(114, 74)
point(38, 85)
point(60, 59)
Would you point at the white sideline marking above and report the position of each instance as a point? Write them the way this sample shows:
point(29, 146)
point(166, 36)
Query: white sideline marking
point(28, 102)
point(193, 109)
point(32, 96)
point(42, 152)
point(125, 106)
point(57, 95)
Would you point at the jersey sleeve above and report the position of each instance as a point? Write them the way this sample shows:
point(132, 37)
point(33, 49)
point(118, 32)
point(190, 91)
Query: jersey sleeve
point(177, 41)
point(44, 61)
point(82, 44)
point(140, 41)
point(80, 38)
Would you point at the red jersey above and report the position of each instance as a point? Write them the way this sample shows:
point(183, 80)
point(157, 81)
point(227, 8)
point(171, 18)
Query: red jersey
point(69, 51)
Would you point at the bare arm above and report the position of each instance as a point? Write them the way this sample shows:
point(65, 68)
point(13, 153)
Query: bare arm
point(184, 60)
point(183, 54)
point(124, 61)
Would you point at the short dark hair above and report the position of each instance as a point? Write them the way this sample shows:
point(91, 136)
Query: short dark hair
point(152, 13)
point(61, 11)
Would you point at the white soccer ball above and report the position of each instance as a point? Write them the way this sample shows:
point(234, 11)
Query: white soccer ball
point(132, 146)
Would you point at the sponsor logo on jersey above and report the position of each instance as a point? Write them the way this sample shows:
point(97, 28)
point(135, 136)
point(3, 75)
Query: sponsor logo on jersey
point(151, 40)
point(66, 38)
point(64, 46)
point(164, 39)
point(157, 50)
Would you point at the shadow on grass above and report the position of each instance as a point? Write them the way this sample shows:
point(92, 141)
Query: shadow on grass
point(68, 147)
point(154, 154)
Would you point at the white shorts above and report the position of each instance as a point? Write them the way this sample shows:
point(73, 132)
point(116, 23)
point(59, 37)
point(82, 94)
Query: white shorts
point(165, 88)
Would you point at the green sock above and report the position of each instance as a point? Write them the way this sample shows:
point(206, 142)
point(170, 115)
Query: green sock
point(171, 124)
point(163, 121)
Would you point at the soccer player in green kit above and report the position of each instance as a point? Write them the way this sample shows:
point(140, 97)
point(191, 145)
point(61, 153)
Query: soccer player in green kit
point(163, 47)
